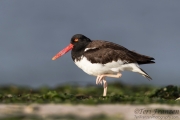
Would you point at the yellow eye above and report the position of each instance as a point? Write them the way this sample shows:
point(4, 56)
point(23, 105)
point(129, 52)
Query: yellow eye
point(75, 40)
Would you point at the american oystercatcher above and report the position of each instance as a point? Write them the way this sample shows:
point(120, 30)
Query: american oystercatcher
point(104, 59)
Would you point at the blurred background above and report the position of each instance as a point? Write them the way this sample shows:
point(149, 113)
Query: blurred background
point(33, 31)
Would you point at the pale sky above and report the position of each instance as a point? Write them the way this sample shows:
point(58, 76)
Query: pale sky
point(33, 31)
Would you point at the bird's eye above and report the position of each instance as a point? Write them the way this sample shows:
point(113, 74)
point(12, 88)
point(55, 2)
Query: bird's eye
point(76, 40)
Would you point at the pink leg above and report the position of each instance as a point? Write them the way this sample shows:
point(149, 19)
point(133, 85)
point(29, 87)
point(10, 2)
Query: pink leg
point(101, 78)
point(118, 75)
point(105, 87)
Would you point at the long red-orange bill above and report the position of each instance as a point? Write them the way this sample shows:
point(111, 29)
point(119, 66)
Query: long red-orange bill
point(62, 52)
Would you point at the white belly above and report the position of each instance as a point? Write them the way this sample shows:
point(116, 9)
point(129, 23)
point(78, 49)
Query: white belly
point(99, 69)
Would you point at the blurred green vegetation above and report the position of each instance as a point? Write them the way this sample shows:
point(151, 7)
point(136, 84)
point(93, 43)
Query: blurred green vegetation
point(91, 94)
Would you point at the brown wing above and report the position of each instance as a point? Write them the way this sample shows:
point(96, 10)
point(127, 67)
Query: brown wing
point(104, 52)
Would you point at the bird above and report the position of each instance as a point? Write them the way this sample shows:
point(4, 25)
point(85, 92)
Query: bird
point(103, 59)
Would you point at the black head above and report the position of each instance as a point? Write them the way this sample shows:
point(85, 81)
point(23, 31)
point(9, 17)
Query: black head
point(80, 42)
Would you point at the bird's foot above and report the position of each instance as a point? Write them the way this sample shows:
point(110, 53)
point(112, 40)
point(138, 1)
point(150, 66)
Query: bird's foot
point(99, 79)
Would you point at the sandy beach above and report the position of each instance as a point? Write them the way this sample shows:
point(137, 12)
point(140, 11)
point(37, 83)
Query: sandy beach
point(116, 111)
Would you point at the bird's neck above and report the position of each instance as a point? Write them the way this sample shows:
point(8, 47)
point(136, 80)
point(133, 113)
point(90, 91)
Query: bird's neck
point(78, 50)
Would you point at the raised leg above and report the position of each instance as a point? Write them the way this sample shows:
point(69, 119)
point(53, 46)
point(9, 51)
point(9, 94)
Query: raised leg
point(100, 78)
point(118, 75)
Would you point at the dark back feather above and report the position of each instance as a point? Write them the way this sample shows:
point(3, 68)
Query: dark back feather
point(104, 52)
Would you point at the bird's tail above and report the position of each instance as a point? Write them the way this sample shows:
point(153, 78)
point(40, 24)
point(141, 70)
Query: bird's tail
point(143, 73)
point(134, 67)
